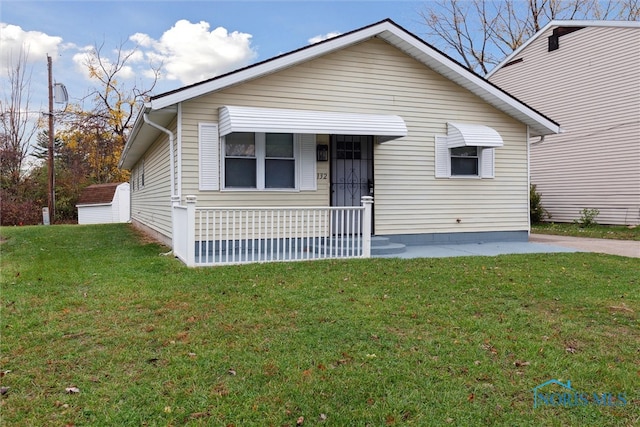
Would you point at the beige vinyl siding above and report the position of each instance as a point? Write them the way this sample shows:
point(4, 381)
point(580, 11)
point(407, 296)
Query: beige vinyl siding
point(151, 204)
point(591, 86)
point(373, 77)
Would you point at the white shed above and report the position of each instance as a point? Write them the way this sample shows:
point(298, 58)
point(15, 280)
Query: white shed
point(104, 203)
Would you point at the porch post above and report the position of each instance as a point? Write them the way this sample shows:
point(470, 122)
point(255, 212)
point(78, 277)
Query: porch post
point(191, 230)
point(367, 203)
point(175, 201)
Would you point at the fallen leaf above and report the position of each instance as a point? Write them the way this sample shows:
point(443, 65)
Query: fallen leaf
point(231, 372)
point(471, 397)
point(323, 417)
point(167, 409)
point(520, 363)
point(197, 415)
point(300, 421)
point(570, 350)
point(72, 390)
point(4, 391)
point(3, 373)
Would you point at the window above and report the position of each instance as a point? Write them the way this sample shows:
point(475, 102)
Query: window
point(280, 162)
point(259, 160)
point(142, 175)
point(240, 160)
point(464, 161)
point(467, 151)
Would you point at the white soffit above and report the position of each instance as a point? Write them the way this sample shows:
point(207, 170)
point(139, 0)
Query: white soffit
point(468, 135)
point(276, 120)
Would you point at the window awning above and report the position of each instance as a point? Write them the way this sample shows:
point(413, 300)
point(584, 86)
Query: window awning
point(276, 120)
point(467, 135)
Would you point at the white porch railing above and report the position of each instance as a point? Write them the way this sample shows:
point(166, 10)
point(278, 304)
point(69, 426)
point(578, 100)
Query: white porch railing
point(205, 236)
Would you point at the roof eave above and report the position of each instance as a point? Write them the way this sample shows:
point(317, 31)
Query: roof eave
point(143, 135)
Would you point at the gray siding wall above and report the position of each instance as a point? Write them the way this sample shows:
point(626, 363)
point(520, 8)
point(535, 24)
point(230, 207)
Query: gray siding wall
point(591, 86)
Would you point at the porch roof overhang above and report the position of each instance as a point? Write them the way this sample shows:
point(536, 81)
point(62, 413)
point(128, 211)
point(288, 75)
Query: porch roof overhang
point(277, 120)
point(472, 135)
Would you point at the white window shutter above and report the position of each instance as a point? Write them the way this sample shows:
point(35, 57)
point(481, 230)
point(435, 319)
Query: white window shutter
point(208, 143)
point(443, 162)
point(307, 143)
point(487, 156)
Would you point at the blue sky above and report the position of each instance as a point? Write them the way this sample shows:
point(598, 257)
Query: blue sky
point(194, 39)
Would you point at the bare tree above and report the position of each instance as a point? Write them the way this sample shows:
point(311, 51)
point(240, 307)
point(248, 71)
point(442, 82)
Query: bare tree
point(480, 33)
point(114, 102)
point(17, 124)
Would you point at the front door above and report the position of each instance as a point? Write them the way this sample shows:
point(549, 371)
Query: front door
point(351, 169)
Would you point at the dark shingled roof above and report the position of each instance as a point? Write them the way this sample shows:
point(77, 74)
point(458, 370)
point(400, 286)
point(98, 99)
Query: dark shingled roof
point(98, 193)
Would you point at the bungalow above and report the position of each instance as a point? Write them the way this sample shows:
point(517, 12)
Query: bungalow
point(282, 159)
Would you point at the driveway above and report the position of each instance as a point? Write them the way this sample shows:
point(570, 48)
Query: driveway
point(628, 248)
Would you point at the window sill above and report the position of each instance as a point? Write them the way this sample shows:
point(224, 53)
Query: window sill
point(263, 190)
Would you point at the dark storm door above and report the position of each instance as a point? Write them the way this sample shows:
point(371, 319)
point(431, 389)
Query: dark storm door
point(351, 169)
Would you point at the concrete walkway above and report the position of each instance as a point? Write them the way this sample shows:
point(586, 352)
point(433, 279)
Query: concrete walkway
point(537, 243)
point(628, 248)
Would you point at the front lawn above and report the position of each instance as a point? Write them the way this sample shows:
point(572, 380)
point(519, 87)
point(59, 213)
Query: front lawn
point(99, 328)
point(617, 232)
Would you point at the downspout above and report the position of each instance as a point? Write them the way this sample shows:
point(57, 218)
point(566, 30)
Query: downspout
point(529, 180)
point(171, 155)
point(179, 153)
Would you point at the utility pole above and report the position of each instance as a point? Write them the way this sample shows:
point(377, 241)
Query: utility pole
point(52, 193)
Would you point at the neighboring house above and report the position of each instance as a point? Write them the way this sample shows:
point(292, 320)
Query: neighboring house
point(104, 203)
point(286, 149)
point(586, 75)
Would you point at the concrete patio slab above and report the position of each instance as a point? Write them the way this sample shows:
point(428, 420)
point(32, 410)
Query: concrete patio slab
point(478, 249)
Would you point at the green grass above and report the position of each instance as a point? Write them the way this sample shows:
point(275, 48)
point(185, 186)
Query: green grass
point(595, 231)
point(457, 341)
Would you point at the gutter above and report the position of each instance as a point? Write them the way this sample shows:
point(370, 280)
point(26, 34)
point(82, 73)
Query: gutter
point(171, 155)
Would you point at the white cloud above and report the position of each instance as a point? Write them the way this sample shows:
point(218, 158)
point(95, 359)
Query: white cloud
point(321, 37)
point(34, 43)
point(190, 52)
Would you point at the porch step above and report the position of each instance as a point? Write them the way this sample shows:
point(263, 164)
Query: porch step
point(383, 246)
point(379, 246)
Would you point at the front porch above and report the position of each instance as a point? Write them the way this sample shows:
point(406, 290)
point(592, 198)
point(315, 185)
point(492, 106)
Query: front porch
point(209, 236)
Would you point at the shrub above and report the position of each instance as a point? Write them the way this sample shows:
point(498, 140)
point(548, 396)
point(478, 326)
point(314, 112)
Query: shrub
point(14, 211)
point(536, 211)
point(587, 218)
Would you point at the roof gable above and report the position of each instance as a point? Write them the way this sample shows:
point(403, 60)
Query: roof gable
point(566, 24)
point(163, 106)
point(98, 194)
point(396, 36)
